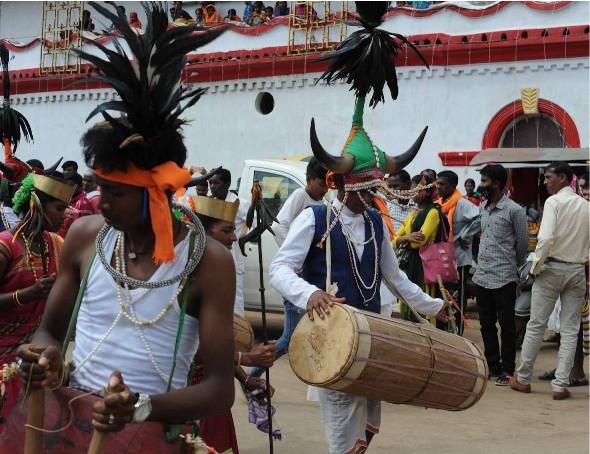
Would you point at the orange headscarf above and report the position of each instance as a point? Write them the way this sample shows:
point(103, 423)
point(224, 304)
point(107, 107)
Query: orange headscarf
point(164, 177)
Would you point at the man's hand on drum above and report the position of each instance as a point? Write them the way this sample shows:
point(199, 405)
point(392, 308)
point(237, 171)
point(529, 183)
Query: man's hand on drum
point(39, 366)
point(115, 409)
point(443, 314)
point(261, 355)
point(321, 301)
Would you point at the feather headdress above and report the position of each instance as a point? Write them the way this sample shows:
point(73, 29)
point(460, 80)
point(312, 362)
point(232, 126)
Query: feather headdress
point(12, 122)
point(366, 58)
point(149, 84)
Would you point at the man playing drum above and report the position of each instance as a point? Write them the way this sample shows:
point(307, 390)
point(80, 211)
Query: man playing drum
point(345, 249)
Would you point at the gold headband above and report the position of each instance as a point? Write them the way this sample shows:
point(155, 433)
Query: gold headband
point(216, 209)
point(54, 188)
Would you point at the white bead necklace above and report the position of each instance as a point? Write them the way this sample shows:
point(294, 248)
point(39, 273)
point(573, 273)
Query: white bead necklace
point(121, 268)
point(349, 235)
point(129, 312)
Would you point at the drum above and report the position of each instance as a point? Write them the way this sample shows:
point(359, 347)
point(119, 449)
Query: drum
point(243, 334)
point(380, 358)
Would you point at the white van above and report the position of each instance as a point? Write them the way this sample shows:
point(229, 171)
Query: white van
point(278, 179)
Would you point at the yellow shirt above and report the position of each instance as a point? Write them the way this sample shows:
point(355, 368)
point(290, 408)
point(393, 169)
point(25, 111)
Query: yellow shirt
point(429, 228)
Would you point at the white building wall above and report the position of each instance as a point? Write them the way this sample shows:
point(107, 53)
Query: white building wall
point(456, 103)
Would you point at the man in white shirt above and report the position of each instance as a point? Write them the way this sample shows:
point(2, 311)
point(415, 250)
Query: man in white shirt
point(558, 264)
point(312, 194)
point(219, 185)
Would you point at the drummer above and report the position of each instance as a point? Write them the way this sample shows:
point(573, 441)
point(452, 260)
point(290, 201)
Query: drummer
point(354, 230)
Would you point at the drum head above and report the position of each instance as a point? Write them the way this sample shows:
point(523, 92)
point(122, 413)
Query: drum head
point(321, 352)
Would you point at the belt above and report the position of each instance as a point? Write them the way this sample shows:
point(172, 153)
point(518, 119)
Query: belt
point(551, 259)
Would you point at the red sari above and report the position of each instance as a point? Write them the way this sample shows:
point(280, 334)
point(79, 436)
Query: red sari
point(18, 324)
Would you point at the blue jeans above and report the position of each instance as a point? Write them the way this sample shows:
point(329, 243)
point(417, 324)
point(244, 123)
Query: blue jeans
point(292, 316)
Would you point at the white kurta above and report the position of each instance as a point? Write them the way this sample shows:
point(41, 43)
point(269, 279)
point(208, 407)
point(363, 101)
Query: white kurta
point(293, 252)
point(239, 260)
point(293, 206)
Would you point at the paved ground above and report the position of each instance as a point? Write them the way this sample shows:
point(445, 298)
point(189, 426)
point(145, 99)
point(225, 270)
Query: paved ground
point(504, 421)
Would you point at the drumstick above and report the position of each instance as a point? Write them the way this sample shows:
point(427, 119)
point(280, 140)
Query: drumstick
point(446, 300)
point(35, 412)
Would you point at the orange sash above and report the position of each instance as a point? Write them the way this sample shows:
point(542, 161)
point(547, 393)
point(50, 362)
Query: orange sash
point(449, 207)
point(164, 177)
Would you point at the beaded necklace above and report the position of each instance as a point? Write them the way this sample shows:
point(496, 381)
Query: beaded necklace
point(359, 282)
point(194, 259)
point(119, 274)
point(43, 254)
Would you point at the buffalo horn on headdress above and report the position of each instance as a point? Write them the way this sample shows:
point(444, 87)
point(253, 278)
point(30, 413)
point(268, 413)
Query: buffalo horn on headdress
point(196, 180)
point(53, 168)
point(396, 163)
point(337, 164)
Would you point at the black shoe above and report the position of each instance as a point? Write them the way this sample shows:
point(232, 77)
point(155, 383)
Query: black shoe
point(503, 380)
point(548, 376)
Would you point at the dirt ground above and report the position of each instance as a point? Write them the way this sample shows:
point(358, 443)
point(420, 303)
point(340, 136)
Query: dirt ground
point(503, 421)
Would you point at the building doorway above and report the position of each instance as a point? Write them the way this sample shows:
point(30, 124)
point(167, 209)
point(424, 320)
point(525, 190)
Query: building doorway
point(539, 131)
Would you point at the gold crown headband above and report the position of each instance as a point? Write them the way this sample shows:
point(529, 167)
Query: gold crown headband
point(54, 188)
point(216, 209)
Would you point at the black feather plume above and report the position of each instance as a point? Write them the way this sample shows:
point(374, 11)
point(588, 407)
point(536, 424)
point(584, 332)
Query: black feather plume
point(366, 58)
point(149, 83)
point(12, 122)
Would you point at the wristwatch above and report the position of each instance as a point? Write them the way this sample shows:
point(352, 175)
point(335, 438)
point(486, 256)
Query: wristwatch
point(143, 408)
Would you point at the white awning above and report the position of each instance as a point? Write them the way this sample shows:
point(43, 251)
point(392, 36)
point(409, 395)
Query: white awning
point(531, 157)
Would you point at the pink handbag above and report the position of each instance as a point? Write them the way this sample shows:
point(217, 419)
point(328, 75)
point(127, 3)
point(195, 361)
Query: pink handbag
point(438, 259)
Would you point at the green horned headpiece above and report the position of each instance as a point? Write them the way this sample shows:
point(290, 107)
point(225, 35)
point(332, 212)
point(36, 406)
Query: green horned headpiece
point(366, 61)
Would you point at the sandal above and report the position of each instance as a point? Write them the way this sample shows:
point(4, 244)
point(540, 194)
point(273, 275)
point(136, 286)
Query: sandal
point(502, 380)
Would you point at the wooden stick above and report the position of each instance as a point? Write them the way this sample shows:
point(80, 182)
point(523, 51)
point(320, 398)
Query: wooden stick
point(446, 300)
point(264, 331)
point(35, 412)
point(98, 443)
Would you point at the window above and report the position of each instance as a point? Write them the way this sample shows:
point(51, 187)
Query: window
point(275, 188)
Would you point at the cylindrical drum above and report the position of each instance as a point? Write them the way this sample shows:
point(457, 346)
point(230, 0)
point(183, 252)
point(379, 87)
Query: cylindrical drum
point(243, 334)
point(380, 358)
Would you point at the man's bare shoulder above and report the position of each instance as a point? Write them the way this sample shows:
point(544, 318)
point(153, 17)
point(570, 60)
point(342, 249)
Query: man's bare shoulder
point(84, 230)
point(216, 255)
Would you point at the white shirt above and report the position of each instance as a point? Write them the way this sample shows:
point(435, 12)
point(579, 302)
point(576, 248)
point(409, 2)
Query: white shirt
point(239, 259)
point(292, 254)
point(564, 233)
point(295, 204)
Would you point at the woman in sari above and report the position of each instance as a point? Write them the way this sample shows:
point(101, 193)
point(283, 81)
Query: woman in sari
point(29, 254)
point(418, 229)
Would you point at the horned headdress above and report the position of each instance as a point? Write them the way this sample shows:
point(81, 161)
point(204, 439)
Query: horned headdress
point(366, 60)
